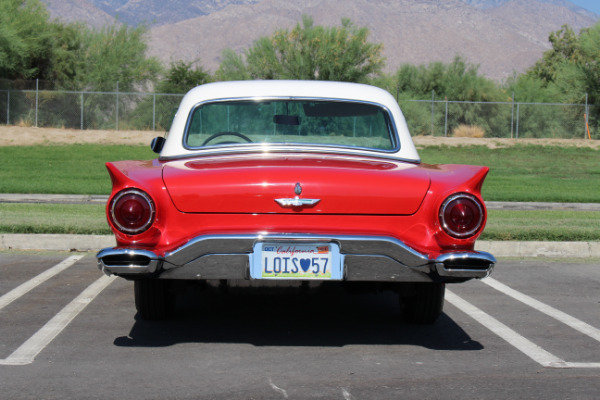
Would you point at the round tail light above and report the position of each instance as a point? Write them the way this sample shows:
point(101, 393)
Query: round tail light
point(132, 211)
point(461, 215)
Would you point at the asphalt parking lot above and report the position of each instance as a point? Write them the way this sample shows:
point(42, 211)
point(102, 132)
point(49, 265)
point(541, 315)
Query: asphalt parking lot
point(66, 331)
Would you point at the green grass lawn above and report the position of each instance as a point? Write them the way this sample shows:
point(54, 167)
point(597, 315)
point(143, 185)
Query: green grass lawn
point(529, 172)
point(518, 173)
point(66, 169)
point(562, 226)
point(83, 219)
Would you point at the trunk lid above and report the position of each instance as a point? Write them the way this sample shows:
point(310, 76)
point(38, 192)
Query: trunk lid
point(253, 183)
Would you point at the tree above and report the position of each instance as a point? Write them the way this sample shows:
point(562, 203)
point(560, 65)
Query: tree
point(25, 39)
point(181, 77)
point(308, 52)
point(66, 60)
point(232, 68)
point(160, 108)
point(455, 81)
point(565, 48)
point(579, 76)
point(116, 54)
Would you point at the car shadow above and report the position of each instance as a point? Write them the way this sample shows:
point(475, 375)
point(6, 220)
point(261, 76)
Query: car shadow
point(323, 318)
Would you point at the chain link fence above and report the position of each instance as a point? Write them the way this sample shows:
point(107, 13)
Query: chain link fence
point(88, 110)
point(502, 120)
point(42, 107)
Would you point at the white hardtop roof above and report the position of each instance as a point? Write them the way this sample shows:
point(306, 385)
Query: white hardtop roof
point(292, 89)
point(258, 89)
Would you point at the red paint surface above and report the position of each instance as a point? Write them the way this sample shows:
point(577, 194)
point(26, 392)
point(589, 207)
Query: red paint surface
point(235, 195)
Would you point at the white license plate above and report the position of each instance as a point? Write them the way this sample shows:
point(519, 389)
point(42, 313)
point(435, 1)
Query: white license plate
point(289, 260)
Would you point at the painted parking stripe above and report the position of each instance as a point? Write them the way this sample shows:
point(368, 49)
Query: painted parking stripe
point(27, 352)
point(31, 284)
point(532, 350)
point(558, 315)
point(526, 346)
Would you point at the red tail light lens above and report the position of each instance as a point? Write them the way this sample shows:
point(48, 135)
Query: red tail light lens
point(461, 215)
point(132, 211)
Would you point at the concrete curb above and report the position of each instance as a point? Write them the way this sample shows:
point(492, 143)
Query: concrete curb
point(539, 206)
point(580, 250)
point(19, 241)
point(540, 249)
point(53, 198)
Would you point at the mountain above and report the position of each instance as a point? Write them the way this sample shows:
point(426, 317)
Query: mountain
point(501, 36)
point(79, 11)
point(135, 12)
point(486, 4)
point(160, 12)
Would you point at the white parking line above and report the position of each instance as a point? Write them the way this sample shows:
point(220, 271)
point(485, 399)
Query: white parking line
point(530, 349)
point(27, 352)
point(36, 281)
point(558, 315)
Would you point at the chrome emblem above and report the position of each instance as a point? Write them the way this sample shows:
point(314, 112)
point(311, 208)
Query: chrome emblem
point(297, 201)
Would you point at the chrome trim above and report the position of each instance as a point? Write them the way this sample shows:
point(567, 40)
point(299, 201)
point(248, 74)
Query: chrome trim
point(443, 211)
point(381, 269)
point(477, 264)
point(365, 258)
point(127, 261)
point(144, 196)
point(243, 244)
point(211, 266)
point(297, 202)
point(285, 150)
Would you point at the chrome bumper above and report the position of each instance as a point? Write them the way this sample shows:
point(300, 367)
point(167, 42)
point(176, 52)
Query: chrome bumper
point(367, 258)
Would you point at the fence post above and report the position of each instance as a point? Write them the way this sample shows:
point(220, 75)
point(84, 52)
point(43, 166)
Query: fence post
point(117, 108)
point(512, 115)
point(446, 119)
point(432, 110)
point(81, 119)
point(36, 101)
point(517, 133)
point(154, 111)
point(587, 113)
point(8, 107)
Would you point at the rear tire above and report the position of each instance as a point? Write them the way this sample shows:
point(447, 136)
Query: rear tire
point(425, 303)
point(154, 299)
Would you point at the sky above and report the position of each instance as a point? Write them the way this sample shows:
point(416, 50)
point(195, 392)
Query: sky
point(592, 5)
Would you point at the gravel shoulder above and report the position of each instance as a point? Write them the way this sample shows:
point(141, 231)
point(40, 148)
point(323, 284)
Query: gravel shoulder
point(27, 136)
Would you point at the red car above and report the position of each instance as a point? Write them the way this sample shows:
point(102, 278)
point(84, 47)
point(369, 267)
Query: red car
point(294, 183)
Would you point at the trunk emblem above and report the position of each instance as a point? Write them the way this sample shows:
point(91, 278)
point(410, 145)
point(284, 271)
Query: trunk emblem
point(297, 201)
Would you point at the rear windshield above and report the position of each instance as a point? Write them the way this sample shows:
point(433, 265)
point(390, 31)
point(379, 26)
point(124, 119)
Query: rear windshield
point(302, 122)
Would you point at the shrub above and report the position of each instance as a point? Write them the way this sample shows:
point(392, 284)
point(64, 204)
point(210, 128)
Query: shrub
point(472, 131)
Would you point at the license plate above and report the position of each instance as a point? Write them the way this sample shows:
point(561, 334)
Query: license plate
point(285, 260)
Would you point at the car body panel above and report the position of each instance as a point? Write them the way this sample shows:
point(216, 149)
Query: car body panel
point(173, 227)
point(251, 184)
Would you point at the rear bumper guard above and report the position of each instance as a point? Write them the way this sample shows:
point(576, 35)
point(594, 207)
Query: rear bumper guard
point(364, 259)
